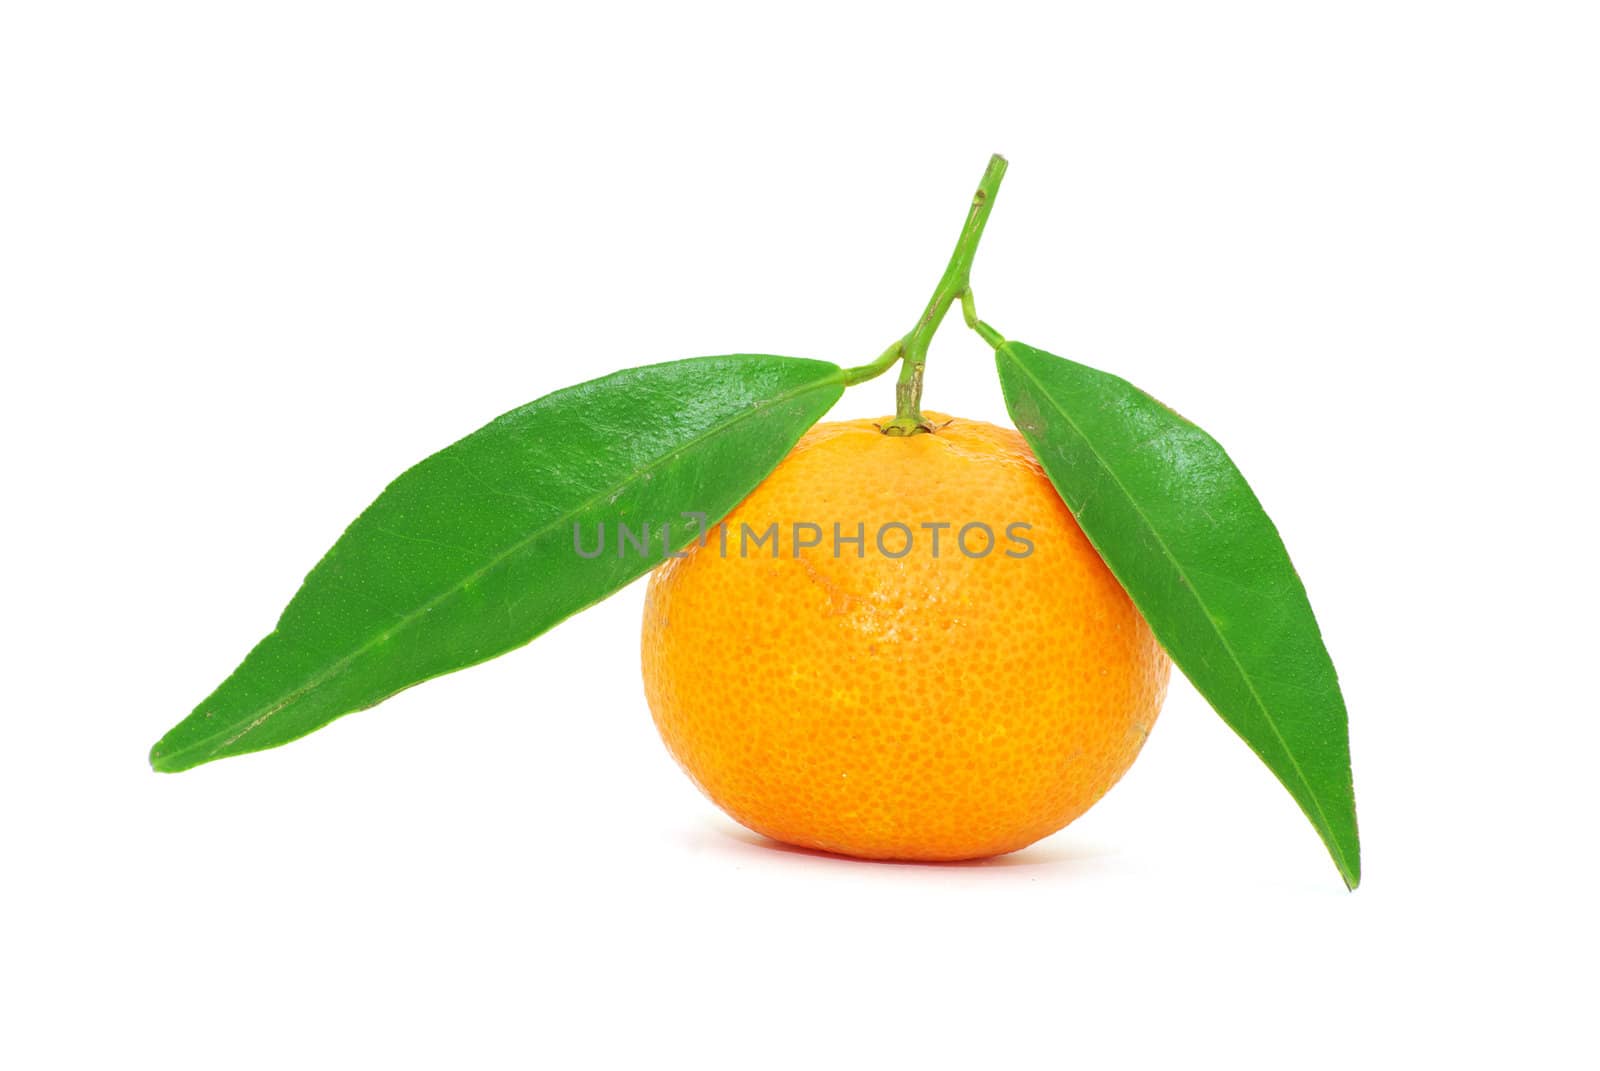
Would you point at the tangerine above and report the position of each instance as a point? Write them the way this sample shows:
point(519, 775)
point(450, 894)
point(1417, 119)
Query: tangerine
point(849, 663)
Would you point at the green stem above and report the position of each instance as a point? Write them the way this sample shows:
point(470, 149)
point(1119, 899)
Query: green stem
point(862, 373)
point(954, 286)
point(969, 313)
point(994, 338)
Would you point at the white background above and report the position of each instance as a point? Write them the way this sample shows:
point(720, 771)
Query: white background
point(256, 259)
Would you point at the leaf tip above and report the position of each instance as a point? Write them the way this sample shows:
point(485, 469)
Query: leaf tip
point(1344, 848)
point(1350, 867)
point(166, 759)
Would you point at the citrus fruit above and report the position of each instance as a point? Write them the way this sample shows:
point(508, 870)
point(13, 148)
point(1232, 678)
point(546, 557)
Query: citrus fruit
point(900, 647)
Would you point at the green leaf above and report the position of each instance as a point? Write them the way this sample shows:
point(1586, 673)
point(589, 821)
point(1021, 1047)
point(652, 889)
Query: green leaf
point(475, 551)
point(1179, 527)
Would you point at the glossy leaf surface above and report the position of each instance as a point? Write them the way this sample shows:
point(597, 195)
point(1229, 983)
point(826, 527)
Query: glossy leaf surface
point(476, 550)
point(1181, 529)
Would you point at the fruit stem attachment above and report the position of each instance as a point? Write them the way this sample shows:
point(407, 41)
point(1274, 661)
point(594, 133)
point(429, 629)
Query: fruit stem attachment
point(954, 285)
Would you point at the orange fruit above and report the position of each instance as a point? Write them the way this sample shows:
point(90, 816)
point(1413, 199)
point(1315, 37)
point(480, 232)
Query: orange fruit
point(894, 699)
